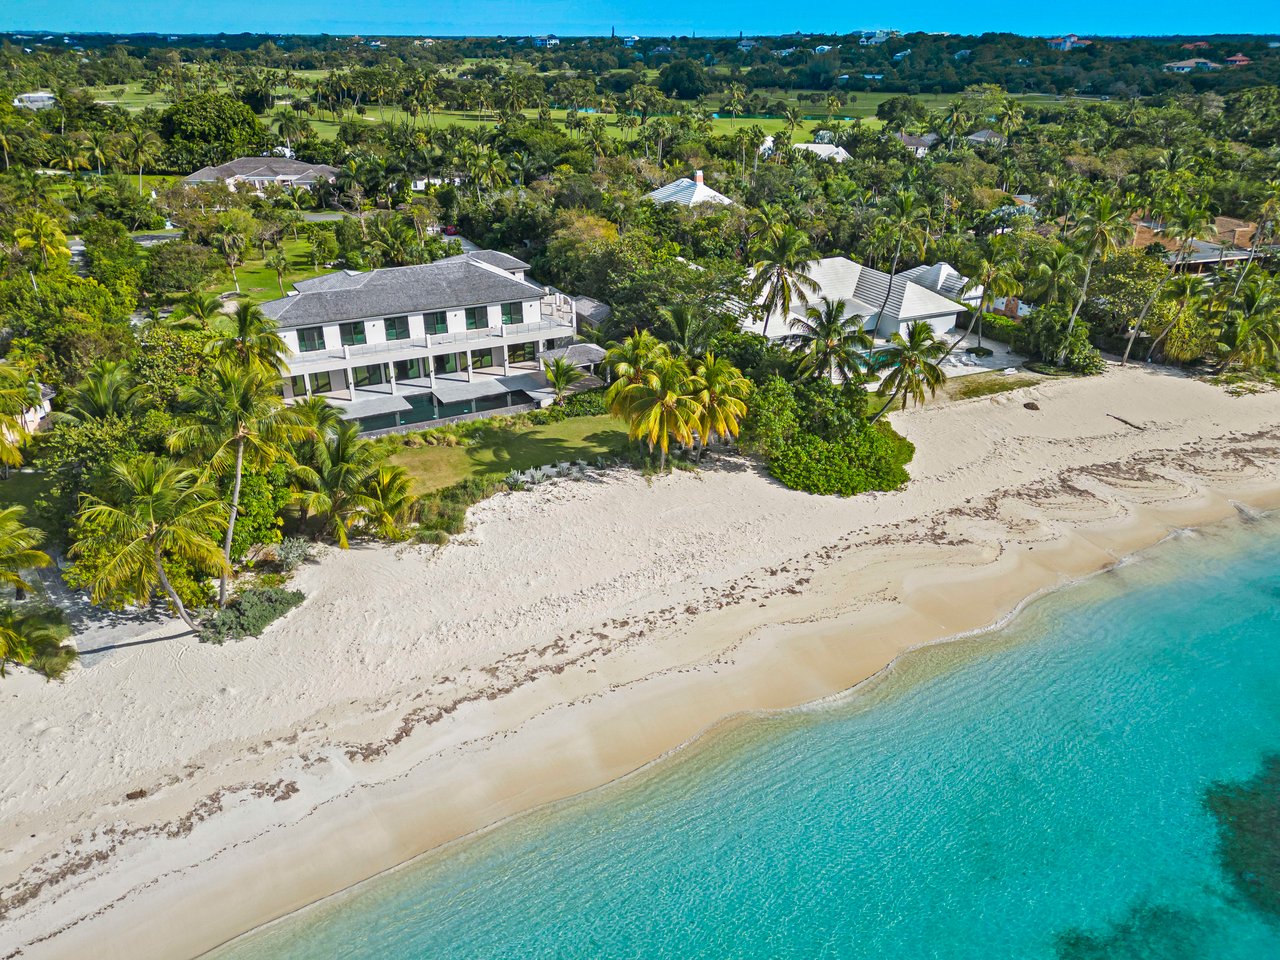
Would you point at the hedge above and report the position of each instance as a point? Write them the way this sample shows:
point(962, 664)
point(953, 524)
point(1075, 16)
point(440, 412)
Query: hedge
point(870, 458)
point(996, 327)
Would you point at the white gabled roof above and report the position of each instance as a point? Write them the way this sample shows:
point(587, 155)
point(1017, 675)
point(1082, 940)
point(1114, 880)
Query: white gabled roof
point(863, 290)
point(826, 151)
point(687, 193)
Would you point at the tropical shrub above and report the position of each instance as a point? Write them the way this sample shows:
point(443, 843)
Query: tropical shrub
point(866, 459)
point(249, 614)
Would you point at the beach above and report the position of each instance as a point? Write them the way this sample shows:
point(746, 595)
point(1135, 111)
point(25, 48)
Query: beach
point(574, 633)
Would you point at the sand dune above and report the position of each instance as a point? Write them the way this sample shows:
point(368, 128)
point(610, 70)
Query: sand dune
point(574, 632)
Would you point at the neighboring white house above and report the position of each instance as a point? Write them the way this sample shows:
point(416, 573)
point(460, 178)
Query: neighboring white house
point(29, 419)
point(688, 193)
point(630, 41)
point(39, 100)
point(407, 345)
point(550, 40)
point(915, 295)
point(825, 151)
point(257, 172)
point(1190, 66)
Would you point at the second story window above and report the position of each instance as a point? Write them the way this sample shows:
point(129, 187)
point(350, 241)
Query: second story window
point(513, 313)
point(397, 328)
point(477, 318)
point(352, 333)
point(435, 322)
point(310, 339)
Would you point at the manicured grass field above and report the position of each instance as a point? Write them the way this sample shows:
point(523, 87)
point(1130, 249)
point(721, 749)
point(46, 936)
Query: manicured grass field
point(499, 450)
point(258, 282)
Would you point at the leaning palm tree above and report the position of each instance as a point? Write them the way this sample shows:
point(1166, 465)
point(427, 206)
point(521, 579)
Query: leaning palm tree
point(913, 366)
point(1185, 224)
point(561, 375)
point(279, 262)
point(1188, 289)
point(18, 392)
point(781, 272)
point(249, 338)
point(152, 512)
point(19, 548)
point(995, 275)
point(663, 405)
point(196, 310)
point(333, 480)
point(832, 346)
point(1100, 233)
point(233, 416)
point(721, 391)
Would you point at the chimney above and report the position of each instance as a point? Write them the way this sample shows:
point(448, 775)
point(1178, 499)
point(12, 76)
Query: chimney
point(697, 177)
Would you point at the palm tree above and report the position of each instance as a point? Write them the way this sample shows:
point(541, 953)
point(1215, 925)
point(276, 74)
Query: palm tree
point(904, 218)
point(390, 502)
point(199, 307)
point(138, 149)
point(662, 405)
point(333, 477)
point(100, 146)
point(249, 338)
point(43, 234)
point(107, 390)
point(561, 375)
point(1100, 233)
point(913, 362)
point(18, 548)
point(1185, 224)
point(231, 243)
point(691, 329)
point(721, 391)
point(153, 512)
point(995, 274)
point(18, 392)
point(833, 345)
point(1057, 276)
point(26, 634)
point(1251, 333)
point(1187, 288)
point(781, 272)
point(280, 264)
point(629, 362)
point(233, 415)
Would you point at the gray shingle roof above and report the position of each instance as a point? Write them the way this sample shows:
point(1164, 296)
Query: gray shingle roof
point(496, 258)
point(460, 281)
point(262, 167)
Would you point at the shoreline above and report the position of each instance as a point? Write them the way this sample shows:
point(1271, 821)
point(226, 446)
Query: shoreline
point(845, 593)
point(702, 739)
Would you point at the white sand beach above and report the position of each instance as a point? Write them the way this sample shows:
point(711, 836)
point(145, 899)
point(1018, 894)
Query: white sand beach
point(169, 796)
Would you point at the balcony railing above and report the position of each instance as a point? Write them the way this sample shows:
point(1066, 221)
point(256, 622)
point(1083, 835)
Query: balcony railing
point(485, 336)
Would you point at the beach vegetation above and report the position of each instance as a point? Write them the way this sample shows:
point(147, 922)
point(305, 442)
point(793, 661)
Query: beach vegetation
point(248, 614)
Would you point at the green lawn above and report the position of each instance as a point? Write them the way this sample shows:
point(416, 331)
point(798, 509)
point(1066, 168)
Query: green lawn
point(23, 489)
point(258, 282)
point(497, 451)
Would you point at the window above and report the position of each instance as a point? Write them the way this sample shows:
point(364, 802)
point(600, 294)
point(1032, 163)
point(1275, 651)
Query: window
point(482, 358)
point(321, 382)
point(519, 352)
point(352, 333)
point(414, 369)
point(369, 376)
point(446, 363)
point(477, 318)
point(513, 313)
point(397, 328)
point(298, 385)
point(310, 339)
point(435, 322)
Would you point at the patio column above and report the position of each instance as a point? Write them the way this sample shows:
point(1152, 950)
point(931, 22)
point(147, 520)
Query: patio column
point(351, 381)
point(431, 372)
point(469, 372)
point(506, 360)
point(391, 377)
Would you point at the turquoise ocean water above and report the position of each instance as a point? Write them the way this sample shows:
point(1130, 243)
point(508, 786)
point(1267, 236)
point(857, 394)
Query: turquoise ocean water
point(1036, 792)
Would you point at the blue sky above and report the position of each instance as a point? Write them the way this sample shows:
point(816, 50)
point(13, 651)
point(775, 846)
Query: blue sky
point(644, 17)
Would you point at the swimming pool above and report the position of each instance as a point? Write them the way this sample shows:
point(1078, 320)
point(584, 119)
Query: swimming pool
point(424, 408)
